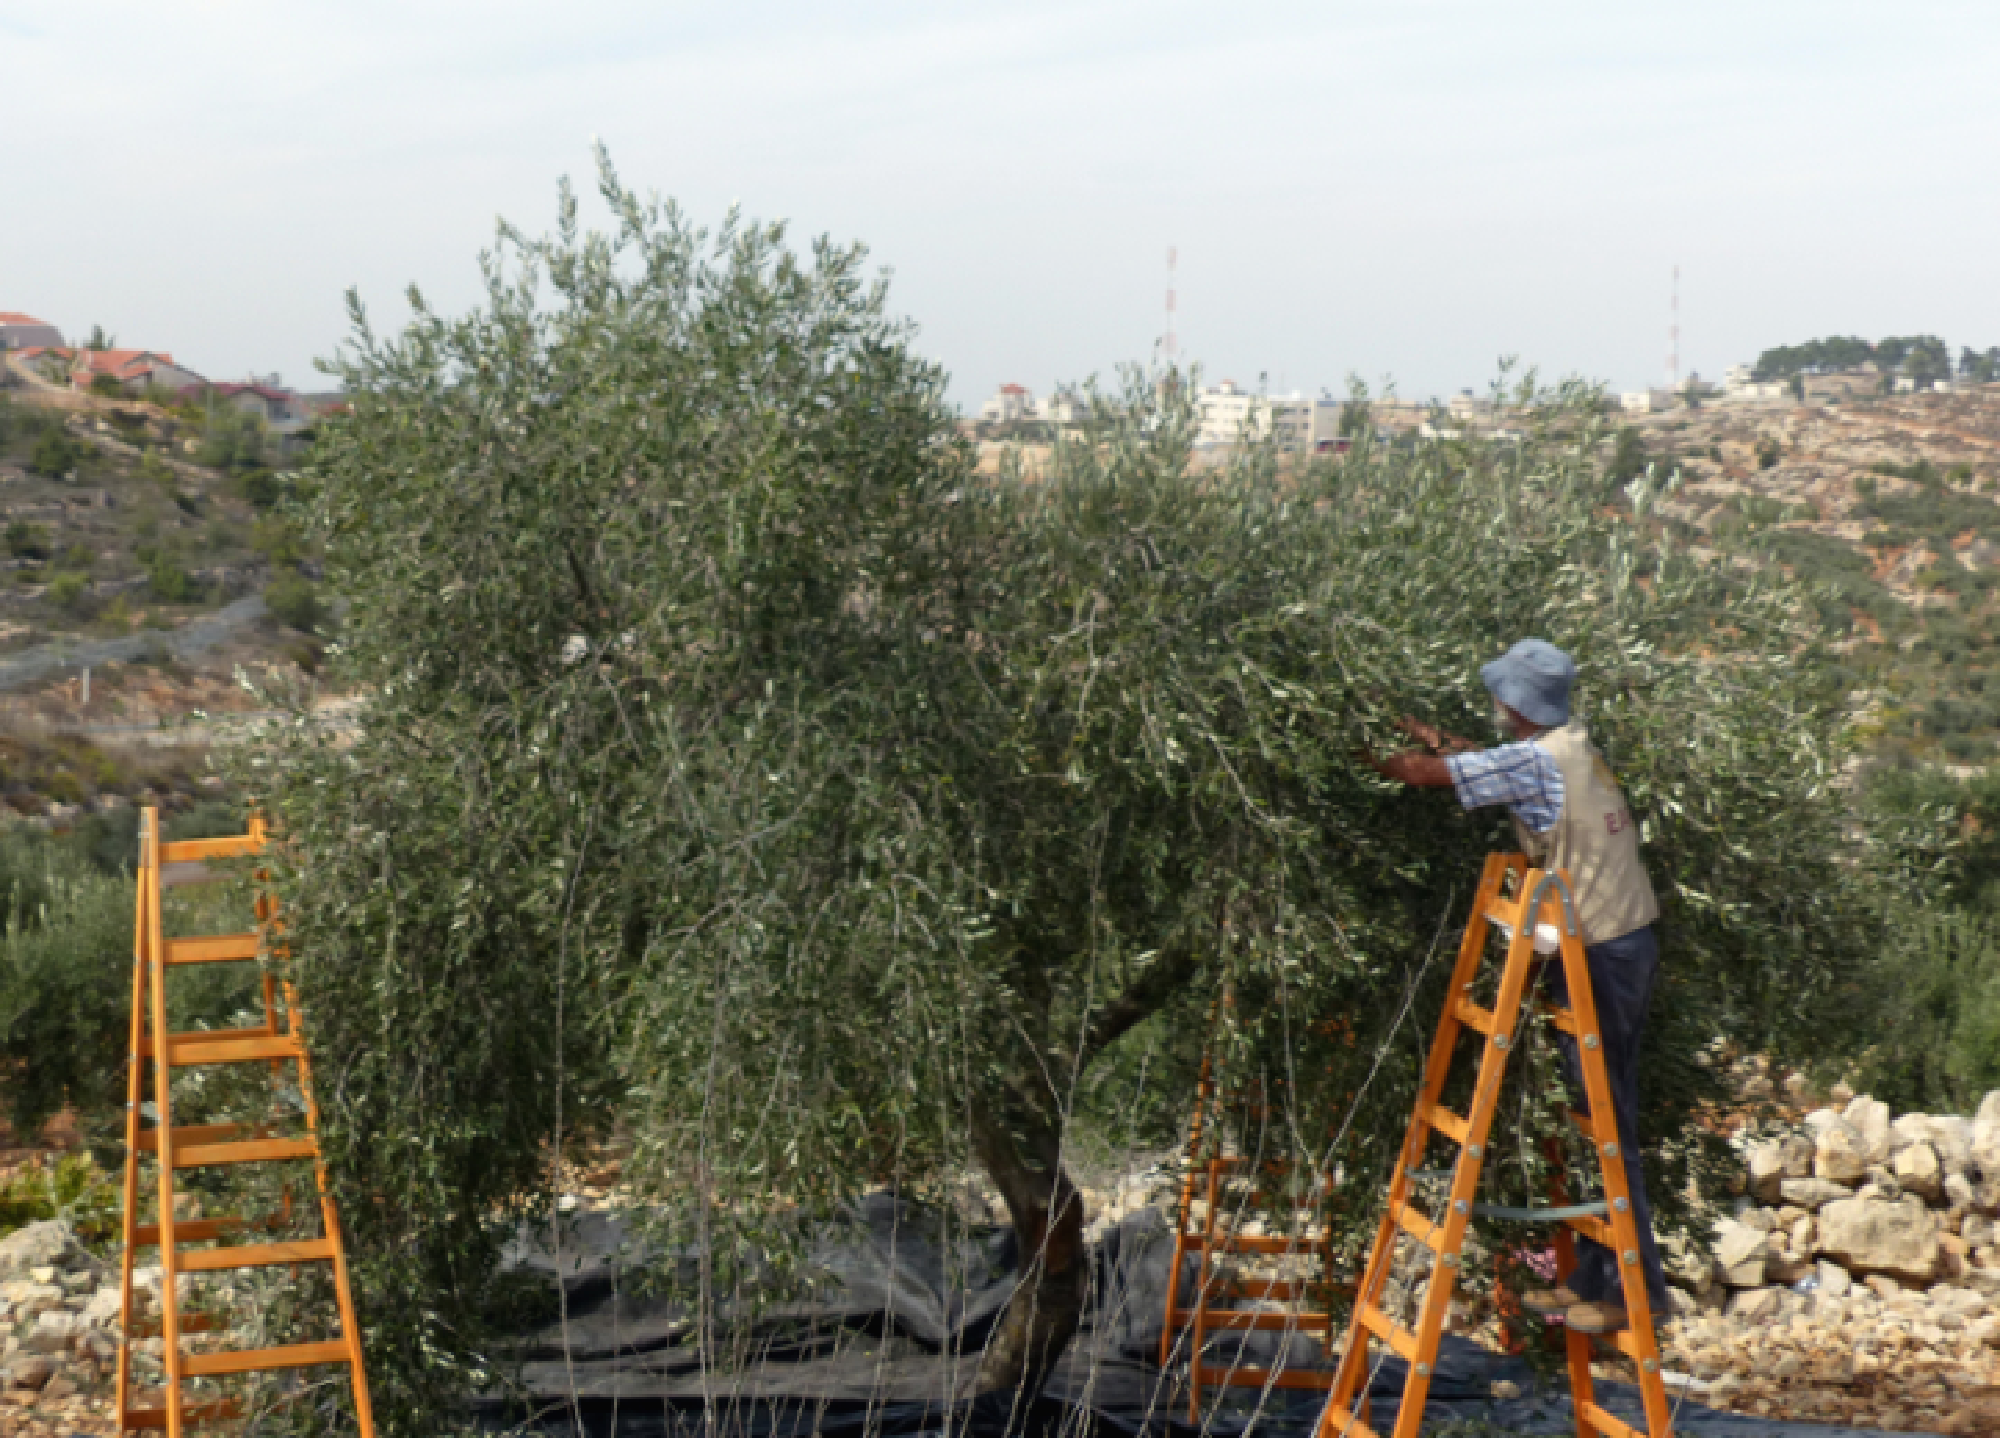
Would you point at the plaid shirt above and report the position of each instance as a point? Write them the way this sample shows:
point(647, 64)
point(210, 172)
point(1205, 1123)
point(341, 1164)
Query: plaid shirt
point(1522, 776)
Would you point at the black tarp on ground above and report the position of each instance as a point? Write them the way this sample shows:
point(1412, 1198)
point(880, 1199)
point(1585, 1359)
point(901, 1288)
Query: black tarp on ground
point(886, 1341)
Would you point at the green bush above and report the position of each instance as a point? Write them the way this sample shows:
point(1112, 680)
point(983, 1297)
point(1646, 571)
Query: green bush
point(27, 541)
point(293, 600)
point(169, 582)
point(69, 591)
point(55, 454)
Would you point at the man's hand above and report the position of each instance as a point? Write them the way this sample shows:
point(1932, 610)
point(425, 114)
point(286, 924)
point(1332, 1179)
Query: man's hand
point(1434, 738)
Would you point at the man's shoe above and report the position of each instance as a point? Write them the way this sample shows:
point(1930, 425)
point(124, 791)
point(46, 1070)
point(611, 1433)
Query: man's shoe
point(1596, 1317)
point(1548, 1302)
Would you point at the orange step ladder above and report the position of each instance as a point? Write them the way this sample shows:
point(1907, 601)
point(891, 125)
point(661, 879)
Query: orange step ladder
point(1221, 1195)
point(188, 1246)
point(1516, 901)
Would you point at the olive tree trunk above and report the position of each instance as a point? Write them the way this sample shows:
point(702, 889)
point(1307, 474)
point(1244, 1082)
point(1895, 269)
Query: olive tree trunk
point(1024, 1160)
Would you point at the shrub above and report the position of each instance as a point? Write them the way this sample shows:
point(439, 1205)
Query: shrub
point(55, 454)
point(27, 541)
point(293, 600)
point(169, 582)
point(69, 591)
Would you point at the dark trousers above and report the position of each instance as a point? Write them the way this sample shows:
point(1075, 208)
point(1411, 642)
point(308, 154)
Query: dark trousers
point(1622, 971)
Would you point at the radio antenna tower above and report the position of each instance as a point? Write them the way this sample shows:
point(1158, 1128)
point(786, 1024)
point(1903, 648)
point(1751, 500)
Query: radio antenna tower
point(1170, 346)
point(1674, 335)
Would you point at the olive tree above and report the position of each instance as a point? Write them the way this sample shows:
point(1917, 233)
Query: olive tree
point(747, 777)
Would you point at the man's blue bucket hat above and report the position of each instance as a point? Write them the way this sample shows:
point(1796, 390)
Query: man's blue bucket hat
point(1533, 680)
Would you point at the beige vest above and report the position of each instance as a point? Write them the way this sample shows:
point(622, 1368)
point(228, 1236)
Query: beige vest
point(1594, 840)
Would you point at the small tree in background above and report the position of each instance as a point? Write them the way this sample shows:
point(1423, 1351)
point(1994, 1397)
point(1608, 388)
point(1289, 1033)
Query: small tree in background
point(748, 776)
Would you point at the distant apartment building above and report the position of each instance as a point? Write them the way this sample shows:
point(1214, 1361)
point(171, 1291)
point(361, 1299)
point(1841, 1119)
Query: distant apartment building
point(1229, 415)
point(1012, 404)
point(1064, 407)
point(1646, 401)
point(1465, 405)
point(281, 410)
point(21, 332)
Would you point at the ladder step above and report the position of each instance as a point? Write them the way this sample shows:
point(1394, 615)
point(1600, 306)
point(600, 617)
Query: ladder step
point(1505, 915)
point(1474, 1017)
point(1444, 1121)
point(189, 1325)
point(266, 1150)
point(197, 1133)
point(1564, 1019)
point(1606, 1423)
point(1596, 1230)
point(224, 1046)
point(1230, 1320)
point(255, 1255)
point(156, 1415)
point(1255, 1243)
point(1584, 1123)
point(1343, 1424)
point(1399, 1338)
point(198, 1230)
point(1279, 1290)
point(213, 948)
point(234, 846)
point(1218, 1375)
point(1429, 1234)
point(261, 1360)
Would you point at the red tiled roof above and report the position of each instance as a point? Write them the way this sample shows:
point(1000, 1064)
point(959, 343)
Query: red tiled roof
point(1013, 389)
point(122, 363)
point(15, 317)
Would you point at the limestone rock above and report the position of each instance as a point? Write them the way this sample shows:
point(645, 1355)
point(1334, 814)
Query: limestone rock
point(24, 1371)
point(1873, 1235)
point(40, 1245)
point(1921, 1173)
point(1795, 1155)
point(1740, 1254)
point(1756, 1305)
point(1813, 1193)
point(1958, 1190)
point(1765, 1164)
point(1869, 1118)
point(1834, 1281)
point(1841, 1153)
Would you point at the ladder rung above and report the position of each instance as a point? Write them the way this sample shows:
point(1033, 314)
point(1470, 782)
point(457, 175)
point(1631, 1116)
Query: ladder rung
point(1217, 1320)
point(156, 1416)
point(1419, 1227)
point(267, 1150)
point(1609, 1424)
point(199, 1230)
point(1626, 1341)
point(1218, 1375)
point(1563, 1019)
point(225, 1046)
point(255, 1255)
point(1343, 1424)
point(213, 948)
point(233, 846)
point(1505, 914)
point(1595, 1229)
point(198, 1133)
point(1388, 1330)
point(260, 1360)
point(1474, 1017)
point(1584, 1122)
point(1256, 1243)
point(1444, 1121)
point(190, 1323)
point(1278, 1290)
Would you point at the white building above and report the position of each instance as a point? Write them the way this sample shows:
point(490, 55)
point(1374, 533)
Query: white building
point(1645, 401)
point(1064, 407)
point(1466, 405)
point(1011, 404)
point(1300, 424)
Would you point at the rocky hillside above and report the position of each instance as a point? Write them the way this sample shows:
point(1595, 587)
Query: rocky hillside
point(1886, 502)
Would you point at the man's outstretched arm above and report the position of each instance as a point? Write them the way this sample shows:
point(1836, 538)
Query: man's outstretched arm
point(1428, 771)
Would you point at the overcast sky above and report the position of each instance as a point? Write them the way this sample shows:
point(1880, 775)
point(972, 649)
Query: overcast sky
point(1404, 188)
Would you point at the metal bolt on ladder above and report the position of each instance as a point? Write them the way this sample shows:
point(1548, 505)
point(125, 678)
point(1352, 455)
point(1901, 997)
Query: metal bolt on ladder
point(163, 865)
point(1515, 899)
